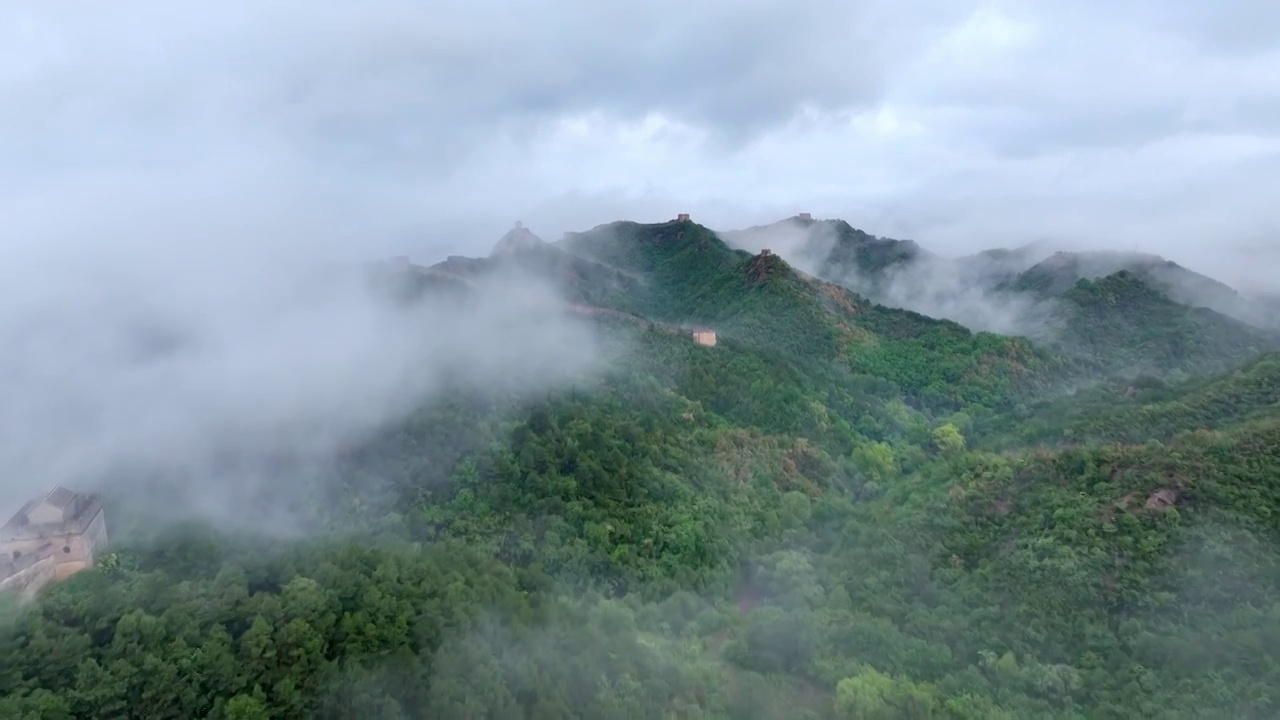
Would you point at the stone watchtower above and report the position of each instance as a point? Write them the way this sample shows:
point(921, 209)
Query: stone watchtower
point(51, 538)
point(682, 217)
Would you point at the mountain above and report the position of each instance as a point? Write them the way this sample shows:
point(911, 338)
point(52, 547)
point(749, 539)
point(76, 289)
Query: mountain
point(517, 239)
point(518, 255)
point(999, 267)
point(1146, 409)
point(692, 275)
point(831, 248)
point(1046, 296)
point(840, 510)
point(1060, 272)
point(1121, 322)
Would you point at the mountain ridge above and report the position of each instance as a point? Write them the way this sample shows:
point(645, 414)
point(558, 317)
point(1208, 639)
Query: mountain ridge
point(683, 273)
point(843, 509)
point(1032, 291)
point(836, 250)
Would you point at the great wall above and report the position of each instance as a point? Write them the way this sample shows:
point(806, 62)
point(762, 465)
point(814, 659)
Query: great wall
point(701, 335)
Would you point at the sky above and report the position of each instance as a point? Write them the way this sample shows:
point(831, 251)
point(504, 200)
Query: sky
point(431, 127)
point(174, 178)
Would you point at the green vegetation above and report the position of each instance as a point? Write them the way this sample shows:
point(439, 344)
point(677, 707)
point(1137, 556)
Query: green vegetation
point(841, 511)
point(1114, 313)
point(765, 304)
point(857, 252)
point(579, 280)
point(1122, 323)
point(1146, 408)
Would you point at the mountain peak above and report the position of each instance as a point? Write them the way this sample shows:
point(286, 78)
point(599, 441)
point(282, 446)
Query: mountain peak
point(1112, 259)
point(517, 238)
point(764, 266)
point(1060, 271)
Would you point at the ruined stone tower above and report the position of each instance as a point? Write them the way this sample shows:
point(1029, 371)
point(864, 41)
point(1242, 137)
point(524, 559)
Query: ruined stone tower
point(51, 538)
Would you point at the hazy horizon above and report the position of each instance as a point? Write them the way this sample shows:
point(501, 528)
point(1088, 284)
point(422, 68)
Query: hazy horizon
point(391, 128)
point(185, 168)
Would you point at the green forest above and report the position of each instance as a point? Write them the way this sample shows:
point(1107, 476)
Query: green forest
point(841, 511)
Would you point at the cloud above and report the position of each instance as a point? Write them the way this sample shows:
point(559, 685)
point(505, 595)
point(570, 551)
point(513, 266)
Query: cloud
point(1089, 128)
point(229, 374)
point(179, 280)
point(961, 124)
point(188, 166)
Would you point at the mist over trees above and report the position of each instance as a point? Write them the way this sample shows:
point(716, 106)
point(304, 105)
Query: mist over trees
point(534, 495)
point(989, 432)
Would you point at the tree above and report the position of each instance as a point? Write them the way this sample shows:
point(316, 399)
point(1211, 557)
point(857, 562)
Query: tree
point(872, 695)
point(245, 707)
point(876, 460)
point(948, 440)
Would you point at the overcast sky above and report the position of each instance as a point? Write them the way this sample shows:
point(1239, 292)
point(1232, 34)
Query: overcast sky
point(388, 124)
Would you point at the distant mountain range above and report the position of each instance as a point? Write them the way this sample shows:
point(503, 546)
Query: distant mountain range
point(1035, 291)
point(842, 508)
point(822, 288)
point(902, 272)
point(680, 273)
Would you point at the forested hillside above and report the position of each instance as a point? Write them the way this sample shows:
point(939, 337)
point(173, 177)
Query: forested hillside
point(1061, 271)
point(1082, 303)
point(840, 511)
point(1146, 408)
point(1122, 324)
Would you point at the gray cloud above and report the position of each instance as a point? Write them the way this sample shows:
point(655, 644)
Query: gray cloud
point(162, 164)
point(916, 117)
point(171, 368)
point(185, 205)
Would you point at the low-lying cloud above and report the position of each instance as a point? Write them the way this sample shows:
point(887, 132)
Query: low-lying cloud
point(160, 348)
point(979, 290)
point(928, 284)
point(964, 124)
point(170, 178)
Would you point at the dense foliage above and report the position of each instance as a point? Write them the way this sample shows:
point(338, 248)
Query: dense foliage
point(1122, 322)
point(1145, 408)
point(763, 302)
point(839, 511)
point(1115, 313)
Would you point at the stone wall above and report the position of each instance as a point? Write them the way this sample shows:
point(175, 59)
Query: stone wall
point(69, 551)
point(28, 581)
